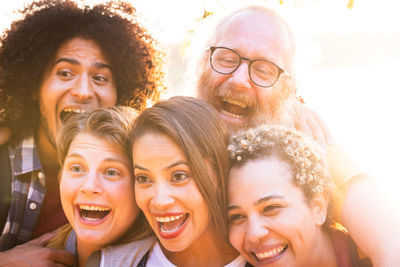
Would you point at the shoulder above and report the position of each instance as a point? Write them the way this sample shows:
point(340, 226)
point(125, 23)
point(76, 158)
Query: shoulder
point(128, 254)
point(60, 240)
point(347, 252)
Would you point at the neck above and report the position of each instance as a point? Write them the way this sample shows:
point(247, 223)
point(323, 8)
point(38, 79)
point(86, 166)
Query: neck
point(325, 253)
point(46, 150)
point(84, 251)
point(206, 251)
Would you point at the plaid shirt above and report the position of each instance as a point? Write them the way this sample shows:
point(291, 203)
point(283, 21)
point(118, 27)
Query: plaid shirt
point(28, 191)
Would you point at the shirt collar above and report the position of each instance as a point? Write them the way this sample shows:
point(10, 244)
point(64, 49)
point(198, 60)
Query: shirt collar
point(26, 158)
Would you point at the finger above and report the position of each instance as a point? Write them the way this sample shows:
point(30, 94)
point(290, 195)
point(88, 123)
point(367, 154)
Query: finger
point(302, 126)
point(43, 239)
point(317, 132)
point(325, 130)
point(61, 256)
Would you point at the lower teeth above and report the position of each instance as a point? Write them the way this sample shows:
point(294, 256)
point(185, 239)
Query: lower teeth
point(231, 114)
point(91, 219)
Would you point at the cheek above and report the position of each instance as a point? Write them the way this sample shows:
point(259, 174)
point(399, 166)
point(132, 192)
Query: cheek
point(209, 81)
point(217, 79)
point(109, 97)
point(128, 209)
point(68, 191)
point(197, 205)
point(236, 235)
point(142, 197)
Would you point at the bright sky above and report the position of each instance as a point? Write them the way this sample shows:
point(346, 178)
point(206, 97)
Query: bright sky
point(350, 64)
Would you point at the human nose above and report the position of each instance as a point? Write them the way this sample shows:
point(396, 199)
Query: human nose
point(240, 77)
point(162, 197)
point(91, 184)
point(82, 90)
point(257, 230)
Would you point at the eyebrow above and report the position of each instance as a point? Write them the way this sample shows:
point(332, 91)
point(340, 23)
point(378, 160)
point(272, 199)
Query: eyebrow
point(267, 198)
point(258, 202)
point(111, 159)
point(76, 62)
point(168, 167)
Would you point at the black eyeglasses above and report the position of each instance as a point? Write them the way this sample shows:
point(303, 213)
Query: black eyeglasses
point(262, 72)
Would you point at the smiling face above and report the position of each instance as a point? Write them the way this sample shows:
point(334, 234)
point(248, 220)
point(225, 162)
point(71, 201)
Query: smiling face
point(167, 193)
point(79, 79)
point(270, 221)
point(96, 189)
point(240, 102)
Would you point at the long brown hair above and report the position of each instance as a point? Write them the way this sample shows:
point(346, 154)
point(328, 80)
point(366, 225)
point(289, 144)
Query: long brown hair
point(202, 135)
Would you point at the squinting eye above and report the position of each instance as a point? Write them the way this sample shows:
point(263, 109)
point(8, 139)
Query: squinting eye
point(272, 209)
point(178, 177)
point(235, 218)
point(142, 179)
point(100, 78)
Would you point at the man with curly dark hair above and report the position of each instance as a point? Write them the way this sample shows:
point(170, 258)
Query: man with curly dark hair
point(61, 58)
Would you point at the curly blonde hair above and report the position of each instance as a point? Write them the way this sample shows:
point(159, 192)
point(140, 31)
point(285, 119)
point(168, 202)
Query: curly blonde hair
point(305, 158)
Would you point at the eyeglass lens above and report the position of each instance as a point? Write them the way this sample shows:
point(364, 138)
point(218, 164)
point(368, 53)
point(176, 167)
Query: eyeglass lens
point(226, 61)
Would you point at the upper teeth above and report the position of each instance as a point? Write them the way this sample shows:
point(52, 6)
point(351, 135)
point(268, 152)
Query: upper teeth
point(91, 207)
point(235, 102)
point(75, 110)
point(169, 218)
point(270, 253)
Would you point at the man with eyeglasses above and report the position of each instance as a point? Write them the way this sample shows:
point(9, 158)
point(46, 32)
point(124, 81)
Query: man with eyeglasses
point(247, 74)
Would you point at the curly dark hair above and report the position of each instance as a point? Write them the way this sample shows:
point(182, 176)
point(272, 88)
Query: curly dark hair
point(29, 45)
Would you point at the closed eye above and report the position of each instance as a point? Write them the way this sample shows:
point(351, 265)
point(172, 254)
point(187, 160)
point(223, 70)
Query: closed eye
point(235, 218)
point(271, 209)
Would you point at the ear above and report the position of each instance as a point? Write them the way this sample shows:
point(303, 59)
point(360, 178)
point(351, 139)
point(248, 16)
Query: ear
point(319, 208)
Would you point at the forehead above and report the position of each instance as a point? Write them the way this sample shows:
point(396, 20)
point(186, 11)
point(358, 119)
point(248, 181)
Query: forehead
point(81, 48)
point(153, 144)
point(259, 178)
point(257, 34)
point(92, 143)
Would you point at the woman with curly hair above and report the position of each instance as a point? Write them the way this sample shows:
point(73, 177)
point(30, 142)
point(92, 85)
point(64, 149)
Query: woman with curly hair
point(279, 206)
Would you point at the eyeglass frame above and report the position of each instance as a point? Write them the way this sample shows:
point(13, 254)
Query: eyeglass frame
point(250, 62)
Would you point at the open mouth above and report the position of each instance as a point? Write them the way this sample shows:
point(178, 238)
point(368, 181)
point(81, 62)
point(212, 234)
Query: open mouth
point(67, 112)
point(271, 254)
point(234, 108)
point(93, 213)
point(171, 226)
